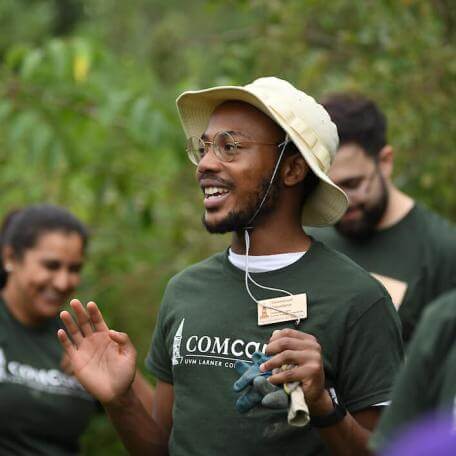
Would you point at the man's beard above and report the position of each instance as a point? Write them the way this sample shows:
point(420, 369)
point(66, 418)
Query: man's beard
point(243, 218)
point(365, 227)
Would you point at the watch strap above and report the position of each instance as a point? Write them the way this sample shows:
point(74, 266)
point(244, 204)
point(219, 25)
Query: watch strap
point(332, 418)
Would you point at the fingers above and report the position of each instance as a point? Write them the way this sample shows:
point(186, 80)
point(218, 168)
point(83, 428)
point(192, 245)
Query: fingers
point(65, 342)
point(291, 347)
point(119, 337)
point(65, 364)
point(82, 318)
point(85, 321)
point(125, 346)
point(71, 327)
point(246, 378)
point(124, 342)
point(291, 343)
point(294, 357)
point(296, 374)
point(96, 317)
point(288, 332)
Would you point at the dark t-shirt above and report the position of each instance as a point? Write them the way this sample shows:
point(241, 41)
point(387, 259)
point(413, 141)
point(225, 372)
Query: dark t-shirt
point(427, 382)
point(207, 321)
point(418, 253)
point(42, 410)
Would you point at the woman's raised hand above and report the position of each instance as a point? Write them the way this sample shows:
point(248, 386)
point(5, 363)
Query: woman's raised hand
point(101, 359)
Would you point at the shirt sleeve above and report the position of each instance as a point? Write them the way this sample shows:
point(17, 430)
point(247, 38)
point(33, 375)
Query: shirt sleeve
point(370, 357)
point(158, 360)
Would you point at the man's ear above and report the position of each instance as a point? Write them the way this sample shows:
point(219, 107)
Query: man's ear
point(386, 161)
point(8, 258)
point(294, 170)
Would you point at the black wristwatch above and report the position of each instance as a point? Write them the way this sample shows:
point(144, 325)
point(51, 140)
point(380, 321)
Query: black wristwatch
point(331, 418)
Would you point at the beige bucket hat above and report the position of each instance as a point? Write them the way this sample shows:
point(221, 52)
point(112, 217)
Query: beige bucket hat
point(307, 123)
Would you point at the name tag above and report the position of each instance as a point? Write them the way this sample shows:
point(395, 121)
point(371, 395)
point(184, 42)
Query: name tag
point(285, 308)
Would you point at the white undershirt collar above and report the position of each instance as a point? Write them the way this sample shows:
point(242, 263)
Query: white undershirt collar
point(264, 263)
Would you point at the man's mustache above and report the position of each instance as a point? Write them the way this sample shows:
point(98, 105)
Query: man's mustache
point(215, 178)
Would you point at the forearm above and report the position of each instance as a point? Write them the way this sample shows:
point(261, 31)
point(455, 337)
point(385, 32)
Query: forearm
point(137, 429)
point(144, 391)
point(347, 437)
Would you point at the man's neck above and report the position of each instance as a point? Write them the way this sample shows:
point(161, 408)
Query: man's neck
point(268, 239)
point(399, 205)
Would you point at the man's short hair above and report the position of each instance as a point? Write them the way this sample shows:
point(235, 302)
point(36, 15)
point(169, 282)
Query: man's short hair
point(358, 120)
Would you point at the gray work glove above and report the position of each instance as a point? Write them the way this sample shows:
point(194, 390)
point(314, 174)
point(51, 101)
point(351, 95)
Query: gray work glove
point(257, 388)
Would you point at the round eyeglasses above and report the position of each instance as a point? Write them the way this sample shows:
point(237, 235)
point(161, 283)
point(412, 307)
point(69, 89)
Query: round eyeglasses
point(224, 146)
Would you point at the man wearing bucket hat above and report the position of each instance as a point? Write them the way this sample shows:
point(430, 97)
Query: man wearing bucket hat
point(262, 153)
point(410, 249)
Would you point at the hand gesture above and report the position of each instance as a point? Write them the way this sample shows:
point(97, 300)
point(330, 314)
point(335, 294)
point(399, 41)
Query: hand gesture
point(101, 359)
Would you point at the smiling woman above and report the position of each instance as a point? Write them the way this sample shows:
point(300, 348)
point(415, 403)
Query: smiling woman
point(43, 409)
point(42, 251)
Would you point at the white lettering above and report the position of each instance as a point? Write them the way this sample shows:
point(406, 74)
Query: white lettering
point(23, 371)
point(51, 379)
point(190, 361)
point(207, 340)
point(12, 367)
point(54, 377)
point(224, 347)
point(235, 344)
point(220, 348)
point(43, 377)
point(254, 345)
point(189, 341)
point(210, 362)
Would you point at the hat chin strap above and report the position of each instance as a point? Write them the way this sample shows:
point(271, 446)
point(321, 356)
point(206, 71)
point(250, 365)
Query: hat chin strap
point(249, 226)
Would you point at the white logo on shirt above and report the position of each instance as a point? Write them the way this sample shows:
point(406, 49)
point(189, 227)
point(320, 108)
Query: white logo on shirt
point(47, 380)
point(211, 351)
point(177, 358)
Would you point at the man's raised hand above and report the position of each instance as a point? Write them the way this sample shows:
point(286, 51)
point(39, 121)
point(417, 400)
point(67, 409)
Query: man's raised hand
point(102, 360)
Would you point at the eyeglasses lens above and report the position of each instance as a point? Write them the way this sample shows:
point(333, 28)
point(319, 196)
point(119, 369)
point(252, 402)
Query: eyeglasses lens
point(225, 146)
point(195, 149)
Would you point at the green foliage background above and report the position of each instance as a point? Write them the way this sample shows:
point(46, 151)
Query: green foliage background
point(88, 120)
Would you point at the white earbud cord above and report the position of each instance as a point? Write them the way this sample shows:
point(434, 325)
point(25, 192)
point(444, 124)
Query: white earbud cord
point(247, 276)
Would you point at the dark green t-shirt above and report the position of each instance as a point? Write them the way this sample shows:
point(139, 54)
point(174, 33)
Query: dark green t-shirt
point(42, 410)
point(427, 382)
point(207, 321)
point(419, 251)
